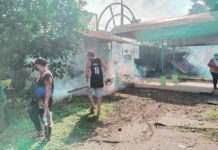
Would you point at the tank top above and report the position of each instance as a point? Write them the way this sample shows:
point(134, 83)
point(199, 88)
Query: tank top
point(41, 89)
point(96, 79)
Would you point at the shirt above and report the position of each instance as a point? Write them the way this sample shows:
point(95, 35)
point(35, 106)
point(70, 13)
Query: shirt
point(213, 68)
point(96, 74)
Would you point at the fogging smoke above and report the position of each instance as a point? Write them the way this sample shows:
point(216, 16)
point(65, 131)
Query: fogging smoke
point(74, 79)
point(140, 71)
point(120, 65)
point(200, 57)
point(66, 84)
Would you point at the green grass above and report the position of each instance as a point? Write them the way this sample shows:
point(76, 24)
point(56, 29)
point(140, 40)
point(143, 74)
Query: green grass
point(72, 125)
point(212, 133)
point(211, 115)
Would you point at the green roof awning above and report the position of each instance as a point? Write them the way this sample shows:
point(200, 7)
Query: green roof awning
point(181, 28)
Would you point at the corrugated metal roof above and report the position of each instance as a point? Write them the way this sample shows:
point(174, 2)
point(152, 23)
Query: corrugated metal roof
point(200, 26)
point(101, 35)
point(204, 17)
point(212, 40)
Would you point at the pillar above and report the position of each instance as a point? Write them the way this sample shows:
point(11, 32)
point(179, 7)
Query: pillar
point(174, 74)
point(163, 77)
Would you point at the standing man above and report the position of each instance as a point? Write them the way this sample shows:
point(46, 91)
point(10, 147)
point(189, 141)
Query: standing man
point(43, 99)
point(94, 77)
point(213, 65)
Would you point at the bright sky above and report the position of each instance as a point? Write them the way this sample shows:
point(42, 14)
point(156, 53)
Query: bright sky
point(146, 9)
point(142, 9)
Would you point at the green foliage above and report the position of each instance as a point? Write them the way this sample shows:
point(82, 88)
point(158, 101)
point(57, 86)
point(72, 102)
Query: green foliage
point(197, 8)
point(47, 28)
point(212, 4)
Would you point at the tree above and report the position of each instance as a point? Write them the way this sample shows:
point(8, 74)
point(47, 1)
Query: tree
point(197, 8)
point(48, 28)
point(212, 4)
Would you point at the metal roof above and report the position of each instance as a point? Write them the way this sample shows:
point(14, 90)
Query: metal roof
point(201, 41)
point(190, 30)
point(101, 35)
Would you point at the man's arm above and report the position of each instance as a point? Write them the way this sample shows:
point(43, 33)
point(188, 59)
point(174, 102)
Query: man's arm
point(48, 89)
point(87, 71)
point(105, 67)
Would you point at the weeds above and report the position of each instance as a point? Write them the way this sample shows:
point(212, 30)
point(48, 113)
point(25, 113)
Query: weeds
point(72, 124)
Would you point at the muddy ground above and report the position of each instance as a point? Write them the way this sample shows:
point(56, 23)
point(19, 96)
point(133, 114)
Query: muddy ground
point(139, 116)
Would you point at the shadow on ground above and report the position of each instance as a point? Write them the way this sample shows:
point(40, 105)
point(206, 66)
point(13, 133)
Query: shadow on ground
point(70, 107)
point(83, 129)
point(164, 96)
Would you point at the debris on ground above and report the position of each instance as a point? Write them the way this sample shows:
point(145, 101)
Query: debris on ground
point(212, 102)
point(156, 119)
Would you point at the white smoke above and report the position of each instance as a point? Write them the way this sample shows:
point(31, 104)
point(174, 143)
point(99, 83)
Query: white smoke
point(200, 56)
point(120, 65)
point(62, 86)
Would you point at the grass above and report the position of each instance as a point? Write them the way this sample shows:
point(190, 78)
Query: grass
point(211, 115)
point(212, 133)
point(72, 125)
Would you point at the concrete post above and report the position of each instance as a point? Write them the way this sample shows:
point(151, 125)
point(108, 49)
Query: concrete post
point(174, 74)
point(163, 77)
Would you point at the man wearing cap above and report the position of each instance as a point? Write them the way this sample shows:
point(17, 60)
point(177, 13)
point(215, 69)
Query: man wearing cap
point(94, 76)
point(213, 65)
point(43, 99)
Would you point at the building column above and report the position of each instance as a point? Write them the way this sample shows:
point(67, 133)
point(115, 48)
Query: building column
point(174, 74)
point(163, 77)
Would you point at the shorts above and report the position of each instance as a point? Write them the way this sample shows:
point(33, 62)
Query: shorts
point(98, 92)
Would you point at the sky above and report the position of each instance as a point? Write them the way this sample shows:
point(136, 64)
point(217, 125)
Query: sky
point(146, 9)
point(158, 9)
point(142, 9)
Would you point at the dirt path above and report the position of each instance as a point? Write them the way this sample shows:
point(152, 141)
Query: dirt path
point(137, 110)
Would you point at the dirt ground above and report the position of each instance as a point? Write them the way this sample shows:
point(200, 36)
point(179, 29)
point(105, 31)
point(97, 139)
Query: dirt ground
point(139, 116)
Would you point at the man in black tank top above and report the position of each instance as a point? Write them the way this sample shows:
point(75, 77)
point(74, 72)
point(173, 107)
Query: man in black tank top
point(43, 99)
point(94, 77)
